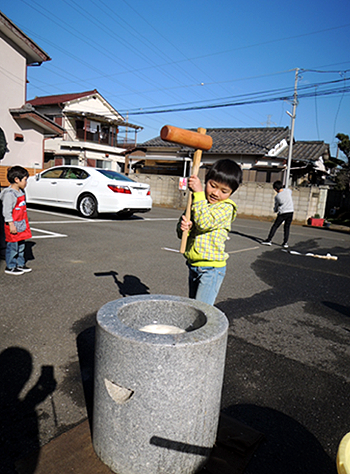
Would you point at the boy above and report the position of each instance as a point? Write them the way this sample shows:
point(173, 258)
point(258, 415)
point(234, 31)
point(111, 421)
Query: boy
point(211, 215)
point(284, 208)
point(16, 220)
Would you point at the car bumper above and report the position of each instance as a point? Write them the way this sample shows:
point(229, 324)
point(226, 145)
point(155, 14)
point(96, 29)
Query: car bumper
point(125, 203)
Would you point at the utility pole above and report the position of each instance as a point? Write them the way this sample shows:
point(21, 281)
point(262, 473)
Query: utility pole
point(268, 123)
point(292, 115)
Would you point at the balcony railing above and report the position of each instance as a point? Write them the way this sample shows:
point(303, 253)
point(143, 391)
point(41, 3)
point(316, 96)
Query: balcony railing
point(106, 138)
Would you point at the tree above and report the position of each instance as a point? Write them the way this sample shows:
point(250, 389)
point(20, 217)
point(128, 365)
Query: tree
point(344, 173)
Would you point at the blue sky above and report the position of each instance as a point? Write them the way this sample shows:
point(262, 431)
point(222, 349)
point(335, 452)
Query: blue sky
point(153, 55)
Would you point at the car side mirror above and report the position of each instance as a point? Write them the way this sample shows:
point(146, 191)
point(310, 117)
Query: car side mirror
point(37, 177)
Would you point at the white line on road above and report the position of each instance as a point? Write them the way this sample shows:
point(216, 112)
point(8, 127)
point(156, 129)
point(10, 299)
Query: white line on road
point(160, 219)
point(96, 221)
point(57, 214)
point(49, 235)
point(60, 222)
point(233, 251)
point(244, 250)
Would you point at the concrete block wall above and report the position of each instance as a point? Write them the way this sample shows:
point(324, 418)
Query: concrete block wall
point(164, 190)
point(252, 199)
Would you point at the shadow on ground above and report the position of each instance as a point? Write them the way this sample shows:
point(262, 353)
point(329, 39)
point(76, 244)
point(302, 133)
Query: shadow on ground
point(294, 278)
point(131, 285)
point(19, 431)
point(288, 447)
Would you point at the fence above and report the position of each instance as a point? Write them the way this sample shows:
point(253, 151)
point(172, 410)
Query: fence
point(252, 199)
point(3, 175)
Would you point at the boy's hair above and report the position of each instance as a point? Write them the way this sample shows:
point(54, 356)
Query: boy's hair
point(277, 185)
point(16, 172)
point(227, 172)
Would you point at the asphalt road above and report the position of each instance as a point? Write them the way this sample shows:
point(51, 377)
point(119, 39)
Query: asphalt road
point(287, 372)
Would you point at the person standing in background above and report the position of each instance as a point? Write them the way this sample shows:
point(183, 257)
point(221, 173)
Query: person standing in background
point(285, 209)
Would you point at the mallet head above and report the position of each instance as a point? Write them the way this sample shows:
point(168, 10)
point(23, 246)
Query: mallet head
point(198, 140)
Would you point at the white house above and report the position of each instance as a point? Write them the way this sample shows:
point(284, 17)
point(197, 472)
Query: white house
point(23, 127)
point(95, 133)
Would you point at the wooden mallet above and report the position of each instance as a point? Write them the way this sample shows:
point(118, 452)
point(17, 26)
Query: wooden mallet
point(198, 140)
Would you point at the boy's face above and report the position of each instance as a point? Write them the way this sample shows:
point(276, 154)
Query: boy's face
point(216, 192)
point(21, 183)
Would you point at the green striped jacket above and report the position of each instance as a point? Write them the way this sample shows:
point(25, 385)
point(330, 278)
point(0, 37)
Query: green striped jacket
point(211, 225)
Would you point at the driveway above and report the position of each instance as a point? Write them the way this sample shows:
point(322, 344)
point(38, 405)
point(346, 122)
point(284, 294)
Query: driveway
point(287, 371)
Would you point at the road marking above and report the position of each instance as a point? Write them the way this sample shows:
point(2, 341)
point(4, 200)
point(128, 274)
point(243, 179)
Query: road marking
point(160, 219)
point(244, 250)
point(83, 219)
point(96, 221)
point(56, 214)
point(59, 222)
point(233, 251)
point(49, 235)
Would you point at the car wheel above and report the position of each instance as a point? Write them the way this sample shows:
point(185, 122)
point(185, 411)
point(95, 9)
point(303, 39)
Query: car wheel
point(87, 206)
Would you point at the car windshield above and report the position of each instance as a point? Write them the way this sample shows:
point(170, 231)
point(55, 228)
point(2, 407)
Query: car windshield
point(114, 175)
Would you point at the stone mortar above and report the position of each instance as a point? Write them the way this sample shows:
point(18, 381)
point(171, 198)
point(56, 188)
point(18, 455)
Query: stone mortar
point(157, 397)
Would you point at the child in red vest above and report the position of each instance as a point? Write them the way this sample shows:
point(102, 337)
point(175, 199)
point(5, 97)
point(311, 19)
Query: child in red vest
point(17, 228)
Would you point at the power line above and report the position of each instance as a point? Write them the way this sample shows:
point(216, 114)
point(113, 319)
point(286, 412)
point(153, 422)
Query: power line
point(285, 93)
point(283, 97)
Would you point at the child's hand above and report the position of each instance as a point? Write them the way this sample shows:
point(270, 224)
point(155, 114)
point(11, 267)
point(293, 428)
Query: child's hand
point(12, 227)
point(185, 224)
point(195, 184)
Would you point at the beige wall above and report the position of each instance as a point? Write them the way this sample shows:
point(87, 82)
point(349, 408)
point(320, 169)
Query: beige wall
point(252, 199)
point(12, 96)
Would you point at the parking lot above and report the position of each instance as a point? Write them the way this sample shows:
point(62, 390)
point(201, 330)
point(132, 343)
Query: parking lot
point(287, 372)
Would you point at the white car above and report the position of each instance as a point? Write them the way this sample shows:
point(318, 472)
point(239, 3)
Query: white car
point(89, 190)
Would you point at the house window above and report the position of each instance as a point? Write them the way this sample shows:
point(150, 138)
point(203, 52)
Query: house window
point(104, 134)
point(70, 160)
point(79, 126)
point(55, 118)
point(103, 164)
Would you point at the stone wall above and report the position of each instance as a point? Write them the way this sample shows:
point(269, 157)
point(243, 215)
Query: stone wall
point(164, 190)
point(252, 199)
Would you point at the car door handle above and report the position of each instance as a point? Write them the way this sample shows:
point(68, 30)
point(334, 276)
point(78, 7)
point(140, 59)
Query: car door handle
point(79, 184)
point(53, 182)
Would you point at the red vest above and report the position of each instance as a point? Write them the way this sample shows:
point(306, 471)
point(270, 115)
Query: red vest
point(20, 219)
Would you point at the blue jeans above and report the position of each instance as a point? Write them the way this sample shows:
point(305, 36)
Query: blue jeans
point(205, 282)
point(14, 254)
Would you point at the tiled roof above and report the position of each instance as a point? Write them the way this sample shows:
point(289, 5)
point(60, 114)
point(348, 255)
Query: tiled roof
point(59, 99)
point(28, 112)
point(307, 150)
point(245, 141)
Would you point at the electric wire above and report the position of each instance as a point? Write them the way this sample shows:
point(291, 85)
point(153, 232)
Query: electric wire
point(285, 93)
point(243, 102)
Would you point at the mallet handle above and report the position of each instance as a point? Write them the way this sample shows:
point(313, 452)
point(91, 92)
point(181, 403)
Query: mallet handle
point(195, 168)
